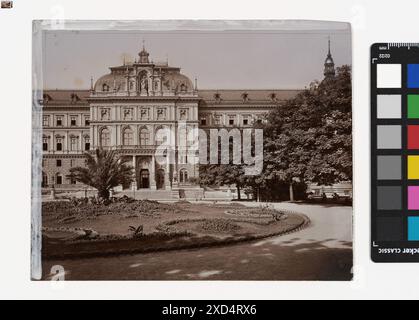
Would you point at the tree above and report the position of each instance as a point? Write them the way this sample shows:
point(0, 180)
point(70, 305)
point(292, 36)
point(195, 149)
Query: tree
point(309, 137)
point(104, 170)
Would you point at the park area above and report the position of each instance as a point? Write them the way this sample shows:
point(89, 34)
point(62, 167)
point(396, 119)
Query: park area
point(147, 240)
point(78, 228)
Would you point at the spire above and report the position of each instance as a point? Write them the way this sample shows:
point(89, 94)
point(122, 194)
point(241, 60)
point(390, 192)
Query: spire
point(329, 64)
point(91, 83)
point(329, 54)
point(196, 84)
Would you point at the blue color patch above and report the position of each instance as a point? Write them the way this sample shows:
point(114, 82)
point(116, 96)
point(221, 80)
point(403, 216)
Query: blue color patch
point(413, 228)
point(413, 76)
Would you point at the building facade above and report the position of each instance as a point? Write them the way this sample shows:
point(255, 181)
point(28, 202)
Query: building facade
point(136, 108)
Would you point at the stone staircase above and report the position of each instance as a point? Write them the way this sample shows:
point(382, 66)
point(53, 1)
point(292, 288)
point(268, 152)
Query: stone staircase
point(174, 194)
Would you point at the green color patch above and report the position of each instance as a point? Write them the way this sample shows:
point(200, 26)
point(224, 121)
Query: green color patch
point(413, 106)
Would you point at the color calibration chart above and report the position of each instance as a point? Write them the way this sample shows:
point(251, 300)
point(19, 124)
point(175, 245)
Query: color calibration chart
point(395, 152)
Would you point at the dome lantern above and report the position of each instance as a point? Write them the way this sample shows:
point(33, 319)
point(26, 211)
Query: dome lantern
point(143, 55)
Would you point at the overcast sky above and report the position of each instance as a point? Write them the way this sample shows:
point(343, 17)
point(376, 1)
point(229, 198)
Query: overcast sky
point(220, 60)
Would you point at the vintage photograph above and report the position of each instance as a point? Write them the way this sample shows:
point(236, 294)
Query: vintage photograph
point(6, 4)
point(194, 154)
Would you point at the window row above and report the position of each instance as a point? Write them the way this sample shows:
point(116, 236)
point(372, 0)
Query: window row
point(127, 137)
point(144, 135)
point(59, 163)
point(56, 179)
point(73, 143)
point(144, 113)
point(59, 121)
point(232, 120)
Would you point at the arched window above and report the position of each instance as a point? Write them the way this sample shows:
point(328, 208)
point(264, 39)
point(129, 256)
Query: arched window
point(59, 179)
point(86, 142)
point(128, 138)
point(183, 87)
point(105, 138)
point(183, 135)
point(44, 180)
point(183, 176)
point(73, 143)
point(161, 135)
point(45, 143)
point(191, 136)
point(105, 87)
point(144, 137)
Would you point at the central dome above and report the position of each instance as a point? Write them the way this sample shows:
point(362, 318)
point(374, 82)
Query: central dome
point(110, 82)
point(143, 77)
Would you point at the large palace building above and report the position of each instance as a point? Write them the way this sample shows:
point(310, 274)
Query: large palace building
point(125, 109)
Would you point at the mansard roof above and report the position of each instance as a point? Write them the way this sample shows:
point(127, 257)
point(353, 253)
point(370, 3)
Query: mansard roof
point(248, 96)
point(68, 97)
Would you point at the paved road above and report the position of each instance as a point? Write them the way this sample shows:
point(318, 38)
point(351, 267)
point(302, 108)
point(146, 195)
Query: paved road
point(323, 251)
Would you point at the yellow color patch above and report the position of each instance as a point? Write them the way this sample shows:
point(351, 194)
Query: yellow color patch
point(413, 167)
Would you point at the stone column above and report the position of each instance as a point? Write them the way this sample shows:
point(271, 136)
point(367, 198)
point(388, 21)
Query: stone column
point(134, 164)
point(153, 173)
point(167, 171)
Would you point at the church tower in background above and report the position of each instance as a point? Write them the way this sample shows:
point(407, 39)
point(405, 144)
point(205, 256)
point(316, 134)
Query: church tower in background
point(329, 66)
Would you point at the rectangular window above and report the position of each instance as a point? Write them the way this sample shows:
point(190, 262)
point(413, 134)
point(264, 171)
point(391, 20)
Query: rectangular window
point(44, 146)
point(45, 121)
point(87, 146)
point(73, 121)
point(59, 163)
point(72, 162)
point(245, 120)
point(87, 121)
point(203, 121)
point(59, 179)
point(231, 121)
point(59, 121)
point(59, 146)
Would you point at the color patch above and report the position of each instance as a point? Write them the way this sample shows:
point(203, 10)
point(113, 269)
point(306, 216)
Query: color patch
point(389, 229)
point(389, 76)
point(389, 197)
point(413, 198)
point(413, 228)
point(389, 106)
point(413, 137)
point(413, 76)
point(413, 167)
point(413, 106)
point(389, 137)
point(389, 167)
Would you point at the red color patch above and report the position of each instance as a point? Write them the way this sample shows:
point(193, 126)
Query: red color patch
point(413, 137)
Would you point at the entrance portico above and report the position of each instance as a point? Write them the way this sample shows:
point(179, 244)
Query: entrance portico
point(144, 171)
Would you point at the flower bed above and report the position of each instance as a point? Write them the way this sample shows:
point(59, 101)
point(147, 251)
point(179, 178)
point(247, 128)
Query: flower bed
point(86, 229)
